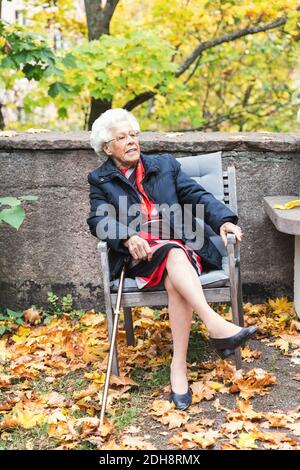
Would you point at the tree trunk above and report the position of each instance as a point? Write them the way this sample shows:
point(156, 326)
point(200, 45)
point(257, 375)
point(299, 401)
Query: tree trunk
point(2, 123)
point(97, 108)
point(98, 22)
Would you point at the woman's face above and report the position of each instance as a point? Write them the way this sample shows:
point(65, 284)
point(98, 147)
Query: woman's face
point(124, 148)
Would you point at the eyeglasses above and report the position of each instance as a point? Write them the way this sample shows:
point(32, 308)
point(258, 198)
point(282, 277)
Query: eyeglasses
point(121, 139)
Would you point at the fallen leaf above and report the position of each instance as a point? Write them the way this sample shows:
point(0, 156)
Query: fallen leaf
point(187, 440)
point(132, 430)
point(247, 441)
point(32, 316)
point(173, 418)
point(202, 391)
point(253, 383)
point(249, 355)
point(8, 133)
point(295, 428)
point(122, 380)
point(36, 131)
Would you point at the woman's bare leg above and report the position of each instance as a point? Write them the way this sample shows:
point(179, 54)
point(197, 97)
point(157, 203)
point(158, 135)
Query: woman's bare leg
point(180, 316)
point(185, 281)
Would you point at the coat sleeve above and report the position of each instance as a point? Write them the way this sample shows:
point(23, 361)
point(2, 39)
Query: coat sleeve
point(103, 223)
point(189, 192)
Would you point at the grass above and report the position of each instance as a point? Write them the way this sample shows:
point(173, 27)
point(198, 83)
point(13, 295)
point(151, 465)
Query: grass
point(67, 385)
point(273, 365)
point(31, 439)
point(126, 416)
point(198, 348)
point(149, 379)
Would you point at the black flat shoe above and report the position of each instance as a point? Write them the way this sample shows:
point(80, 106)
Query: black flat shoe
point(223, 345)
point(224, 353)
point(182, 401)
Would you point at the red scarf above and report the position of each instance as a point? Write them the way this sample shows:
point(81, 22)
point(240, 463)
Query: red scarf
point(148, 207)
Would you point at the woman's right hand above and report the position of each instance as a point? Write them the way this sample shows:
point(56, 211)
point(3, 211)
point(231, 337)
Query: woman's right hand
point(138, 248)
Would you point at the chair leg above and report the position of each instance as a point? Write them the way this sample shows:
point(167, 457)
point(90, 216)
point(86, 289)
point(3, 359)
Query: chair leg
point(235, 318)
point(110, 323)
point(234, 286)
point(238, 359)
point(240, 297)
point(129, 326)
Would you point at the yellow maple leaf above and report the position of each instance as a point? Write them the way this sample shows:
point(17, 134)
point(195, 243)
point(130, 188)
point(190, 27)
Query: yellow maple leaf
point(287, 205)
point(247, 441)
point(174, 418)
point(21, 334)
point(280, 305)
point(4, 354)
point(160, 407)
point(98, 378)
point(202, 391)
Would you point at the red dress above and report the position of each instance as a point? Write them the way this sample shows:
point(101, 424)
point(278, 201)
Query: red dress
point(151, 273)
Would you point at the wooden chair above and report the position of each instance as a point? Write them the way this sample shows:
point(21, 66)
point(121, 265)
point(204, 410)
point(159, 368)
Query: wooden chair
point(218, 285)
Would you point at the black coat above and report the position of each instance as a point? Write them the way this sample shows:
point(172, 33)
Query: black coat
point(164, 182)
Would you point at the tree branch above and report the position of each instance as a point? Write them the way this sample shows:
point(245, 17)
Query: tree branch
point(203, 46)
point(109, 9)
point(139, 99)
point(143, 97)
point(194, 69)
point(247, 95)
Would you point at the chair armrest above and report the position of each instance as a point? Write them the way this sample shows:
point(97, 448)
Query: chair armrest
point(102, 250)
point(102, 247)
point(233, 248)
point(231, 239)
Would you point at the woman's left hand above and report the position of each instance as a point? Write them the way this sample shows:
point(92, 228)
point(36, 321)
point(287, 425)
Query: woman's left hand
point(229, 227)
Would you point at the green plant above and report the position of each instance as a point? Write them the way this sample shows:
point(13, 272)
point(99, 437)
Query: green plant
point(67, 303)
point(77, 314)
point(15, 215)
point(52, 299)
point(64, 307)
point(7, 317)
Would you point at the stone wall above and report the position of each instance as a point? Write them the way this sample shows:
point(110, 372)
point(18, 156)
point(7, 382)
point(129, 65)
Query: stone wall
point(54, 251)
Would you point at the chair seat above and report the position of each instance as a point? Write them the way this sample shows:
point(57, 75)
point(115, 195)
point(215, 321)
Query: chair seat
point(214, 278)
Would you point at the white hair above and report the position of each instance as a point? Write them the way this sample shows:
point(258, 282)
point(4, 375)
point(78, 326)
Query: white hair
point(102, 127)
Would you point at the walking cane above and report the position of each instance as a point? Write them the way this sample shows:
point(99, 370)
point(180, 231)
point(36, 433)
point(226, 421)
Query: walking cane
point(112, 344)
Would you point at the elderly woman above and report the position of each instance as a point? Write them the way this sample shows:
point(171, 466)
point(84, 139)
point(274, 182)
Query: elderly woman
point(155, 259)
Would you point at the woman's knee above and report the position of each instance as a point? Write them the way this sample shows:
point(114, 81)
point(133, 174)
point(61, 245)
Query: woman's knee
point(177, 255)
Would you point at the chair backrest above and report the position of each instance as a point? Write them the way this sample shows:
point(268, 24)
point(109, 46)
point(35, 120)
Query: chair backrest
point(206, 169)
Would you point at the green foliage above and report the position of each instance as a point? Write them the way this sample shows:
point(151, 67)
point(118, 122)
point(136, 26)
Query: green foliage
point(8, 318)
point(21, 50)
point(52, 299)
point(58, 308)
point(245, 84)
point(112, 67)
point(15, 215)
point(67, 303)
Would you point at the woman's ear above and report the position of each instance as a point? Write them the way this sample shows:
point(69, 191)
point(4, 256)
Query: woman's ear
point(106, 149)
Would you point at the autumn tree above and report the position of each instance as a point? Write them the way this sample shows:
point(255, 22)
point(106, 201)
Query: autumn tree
point(207, 65)
point(99, 15)
point(220, 36)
